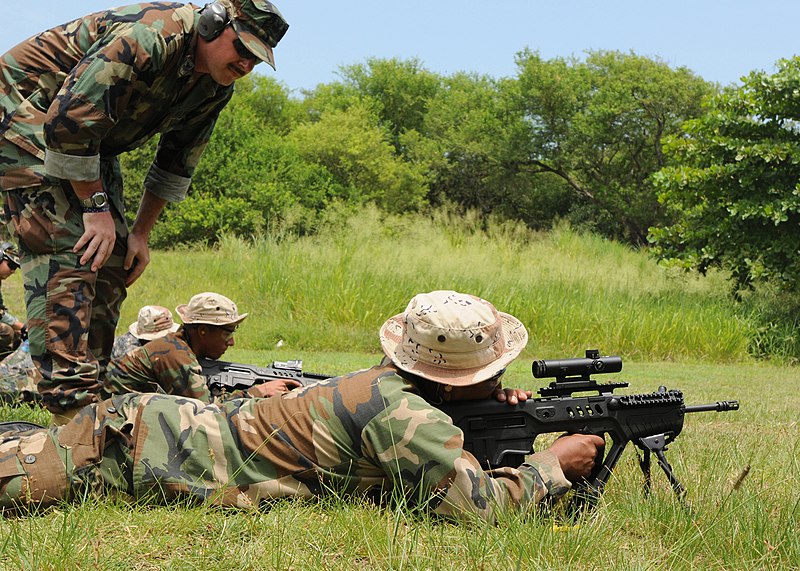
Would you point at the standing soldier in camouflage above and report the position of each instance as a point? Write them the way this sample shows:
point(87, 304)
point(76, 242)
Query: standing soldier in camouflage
point(374, 431)
point(74, 97)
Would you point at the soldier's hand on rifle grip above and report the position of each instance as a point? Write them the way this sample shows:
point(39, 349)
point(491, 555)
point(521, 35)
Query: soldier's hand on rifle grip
point(272, 388)
point(511, 396)
point(577, 454)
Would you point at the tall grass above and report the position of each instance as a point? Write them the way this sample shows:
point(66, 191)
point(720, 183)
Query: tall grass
point(573, 291)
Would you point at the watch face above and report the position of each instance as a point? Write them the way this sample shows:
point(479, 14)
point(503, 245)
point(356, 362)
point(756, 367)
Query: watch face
point(99, 199)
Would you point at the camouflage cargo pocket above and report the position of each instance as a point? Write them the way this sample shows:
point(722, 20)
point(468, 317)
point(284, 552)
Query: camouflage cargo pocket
point(31, 471)
point(43, 219)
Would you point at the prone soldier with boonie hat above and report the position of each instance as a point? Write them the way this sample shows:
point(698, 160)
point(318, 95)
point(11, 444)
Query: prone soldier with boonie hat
point(152, 322)
point(168, 364)
point(375, 432)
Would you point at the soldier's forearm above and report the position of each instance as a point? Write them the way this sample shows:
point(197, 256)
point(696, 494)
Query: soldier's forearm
point(85, 189)
point(150, 208)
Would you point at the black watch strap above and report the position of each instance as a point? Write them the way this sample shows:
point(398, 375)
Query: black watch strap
point(105, 208)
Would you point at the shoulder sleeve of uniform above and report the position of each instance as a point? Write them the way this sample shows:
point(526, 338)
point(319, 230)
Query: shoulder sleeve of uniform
point(180, 149)
point(422, 452)
point(97, 92)
point(178, 371)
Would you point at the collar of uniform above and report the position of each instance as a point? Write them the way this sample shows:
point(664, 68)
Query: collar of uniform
point(187, 65)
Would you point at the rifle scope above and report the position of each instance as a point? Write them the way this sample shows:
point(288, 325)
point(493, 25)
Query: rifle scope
point(562, 368)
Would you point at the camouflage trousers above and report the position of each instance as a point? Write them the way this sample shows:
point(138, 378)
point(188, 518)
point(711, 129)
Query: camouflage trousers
point(72, 311)
point(9, 340)
point(119, 446)
point(92, 453)
point(19, 378)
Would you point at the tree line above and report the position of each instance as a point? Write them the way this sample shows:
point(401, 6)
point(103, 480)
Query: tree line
point(619, 144)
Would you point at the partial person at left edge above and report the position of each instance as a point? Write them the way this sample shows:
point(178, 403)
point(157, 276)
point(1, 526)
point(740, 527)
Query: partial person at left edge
point(74, 97)
point(12, 330)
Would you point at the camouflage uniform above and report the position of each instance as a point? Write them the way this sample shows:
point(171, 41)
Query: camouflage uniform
point(19, 377)
point(9, 338)
point(366, 432)
point(166, 365)
point(71, 99)
point(124, 344)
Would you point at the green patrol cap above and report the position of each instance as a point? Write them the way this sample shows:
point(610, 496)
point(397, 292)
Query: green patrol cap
point(259, 25)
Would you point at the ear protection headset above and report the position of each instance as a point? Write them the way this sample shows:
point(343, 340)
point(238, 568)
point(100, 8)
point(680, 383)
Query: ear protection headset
point(213, 19)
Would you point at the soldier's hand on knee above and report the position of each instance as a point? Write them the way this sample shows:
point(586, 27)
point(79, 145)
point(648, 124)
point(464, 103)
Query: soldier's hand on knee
point(99, 235)
point(137, 258)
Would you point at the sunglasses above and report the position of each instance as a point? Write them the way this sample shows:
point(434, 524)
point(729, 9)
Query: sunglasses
point(242, 51)
point(11, 263)
point(227, 332)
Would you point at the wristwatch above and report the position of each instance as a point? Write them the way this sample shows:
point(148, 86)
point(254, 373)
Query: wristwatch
point(98, 202)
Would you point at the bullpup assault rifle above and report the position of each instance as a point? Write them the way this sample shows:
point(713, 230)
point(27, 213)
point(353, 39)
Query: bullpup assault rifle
point(501, 435)
point(224, 377)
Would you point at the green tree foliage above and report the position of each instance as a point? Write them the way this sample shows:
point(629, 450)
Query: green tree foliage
point(598, 124)
point(403, 91)
point(467, 149)
point(355, 149)
point(735, 189)
point(251, 177)
point(562, 139)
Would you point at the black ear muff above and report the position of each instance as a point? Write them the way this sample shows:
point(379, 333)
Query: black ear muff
point(213, 19)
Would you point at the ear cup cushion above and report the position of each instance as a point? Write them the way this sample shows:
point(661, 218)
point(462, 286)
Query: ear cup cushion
point(213, 19)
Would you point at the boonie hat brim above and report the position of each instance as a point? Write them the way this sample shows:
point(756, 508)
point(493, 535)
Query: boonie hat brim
point(391, 336)
point(134, 330)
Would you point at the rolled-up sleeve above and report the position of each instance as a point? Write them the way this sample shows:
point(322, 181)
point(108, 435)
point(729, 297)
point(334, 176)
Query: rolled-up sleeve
point(71, 167)
point(422, 451)
point(171, 187)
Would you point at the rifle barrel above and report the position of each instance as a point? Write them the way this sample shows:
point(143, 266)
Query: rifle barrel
point(719, 406)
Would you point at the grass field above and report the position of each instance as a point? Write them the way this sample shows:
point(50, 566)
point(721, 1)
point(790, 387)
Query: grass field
point(325, 298)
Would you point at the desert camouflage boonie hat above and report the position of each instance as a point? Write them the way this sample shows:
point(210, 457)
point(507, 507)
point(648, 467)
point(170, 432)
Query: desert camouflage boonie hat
point(210, 308)
point(259, 25)
point(452, 338)
point(153, 322)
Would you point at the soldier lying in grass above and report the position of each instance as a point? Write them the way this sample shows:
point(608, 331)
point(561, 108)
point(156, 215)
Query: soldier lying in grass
point(169, 364)
point(372, 431)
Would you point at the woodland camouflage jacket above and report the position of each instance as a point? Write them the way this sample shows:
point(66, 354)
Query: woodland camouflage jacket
point(166, 365)
point(102, 85)
point(369, 431)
